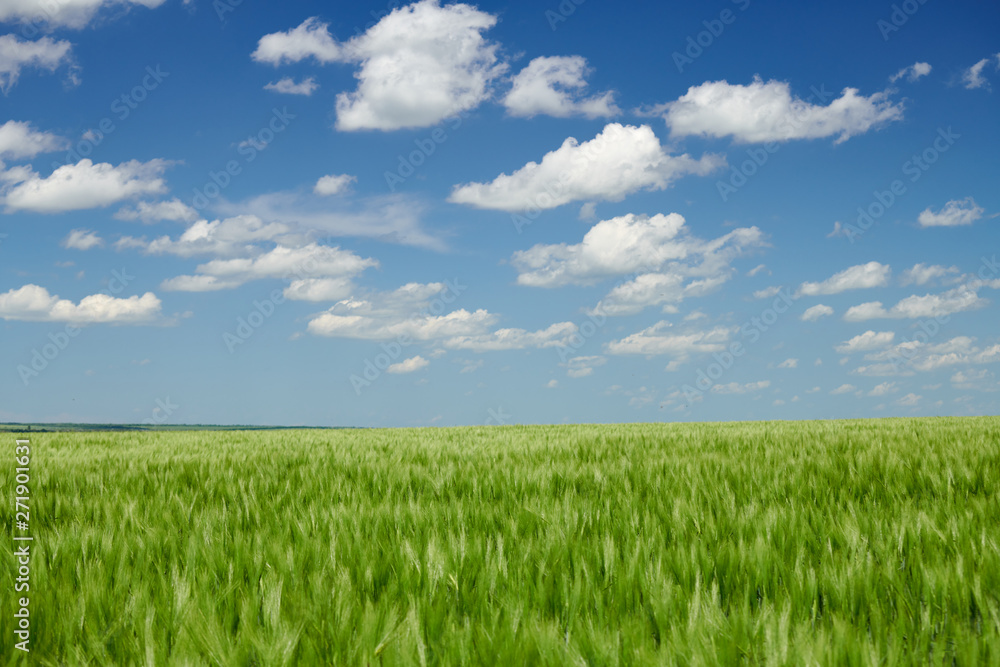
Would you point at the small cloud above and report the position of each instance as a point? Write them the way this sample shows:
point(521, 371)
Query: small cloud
point(816, 312)
point(334, 184)
point(839, 230)
point(956, 212)
point(909, 400)
point(973, 77)
point(471, 366)
point(82, 239)
point(789, 363)
point(843, 389)
point(288, 86)
point(767, 292)
point(552, 384)
point(758, 269)
point(883, 389)
point(818, 362)
point(912, 73)
point(588, 211)
point(408, 365)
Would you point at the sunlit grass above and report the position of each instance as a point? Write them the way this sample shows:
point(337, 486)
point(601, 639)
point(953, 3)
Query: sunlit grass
point(784, 543)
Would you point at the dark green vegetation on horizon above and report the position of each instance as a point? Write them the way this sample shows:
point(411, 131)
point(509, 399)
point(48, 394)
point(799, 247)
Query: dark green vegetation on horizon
point(784, 543)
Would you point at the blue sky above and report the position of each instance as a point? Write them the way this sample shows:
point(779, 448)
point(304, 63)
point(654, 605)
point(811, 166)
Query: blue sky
point(434, 214)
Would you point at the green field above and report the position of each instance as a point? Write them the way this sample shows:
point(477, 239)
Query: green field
point(776, 543)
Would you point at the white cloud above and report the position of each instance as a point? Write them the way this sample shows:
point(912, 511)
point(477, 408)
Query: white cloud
point(767, 292)
point(552, 384)
point(74, 14)
point(909, 400)
point(839, 230)
point(869, 340)
point(34, 303)
point(883, 389)
point(921, 274)
point(230, 236)
point(333, 184)
point(955, 300)
point(617, 162)
point(514, 339)
point(764, 112)
point(578, 367)
point(314, 261)
point(82, 239)
point(843, 389)
point(309, 40)
point(758, 269)
point(862, 276)
point(912, 73)
point(737, 388)
point(656, 340)
point(956, 212)
point(408, 365)
point(552, 85)
point(86, 185)
point(789, 363)
point(156, 211)
point(287, 86)
point(971, 378)
point(814, 313)
point(914, 355)
point(17, 54)
point(973, 77)
point(319, 289)
point(417, 66)
point(19, 140)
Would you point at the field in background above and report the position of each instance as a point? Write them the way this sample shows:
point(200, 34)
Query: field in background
point(787, 543)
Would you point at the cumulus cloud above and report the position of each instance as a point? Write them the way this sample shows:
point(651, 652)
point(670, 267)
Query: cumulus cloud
point(408, 365)
point(34, 303)
point(911, 356)
point(150, 212)
point(617, 162)
point(578, 367)
point(843, 389)
point(658, 340)
point(287, 86)
point(956, 212)
point(82, 239)
point(417, 66)
point(333, 184)
point(17, 54)
point(973, 77)
point(921, 274)
point(86, 185)
point(763, 112)
point(669, 263)
point(553, 86)
point(230, 236)
point(767, 292)
point(74, 14)
point(816, 312)
point(953, 301)
point(514, 339)
point(912, 73)
point(310, 261)
point(789, 363)
point(909, 400)
point(883, 389)
point(319, 289)
point(19, 140)
point(862, 276)
point(737, 388)
point(869, 340)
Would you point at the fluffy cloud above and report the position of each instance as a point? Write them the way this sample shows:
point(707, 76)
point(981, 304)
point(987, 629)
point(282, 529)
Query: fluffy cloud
point(334, 184)
point(19, 140)
point(287, 86)
point(319, 289)
point(737, 388)
point(869, 340)
point(816, 312)
point(909, 400)
point(883, 389)
point(956, 212)
point(915, 355)
point(912, 73)
point(86, 185)
point(64, 13)
point(843, 389)
point(34, 303)
point(973, 77)
point(230, 236)
point(789, 363)
point(17, 54)
point(862, 276)
point(956, 300)
point(657, 340)
point(578, 367)
point(514, 339)
point(670, 263)
point(552, 85)
point(150, 212)
point(764, 112)
point(921, 274)
point(310, 261)
point(617, 162)
point(82, 239)
point(418, 65)
point(408, 365)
